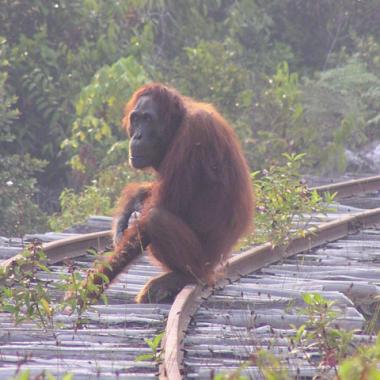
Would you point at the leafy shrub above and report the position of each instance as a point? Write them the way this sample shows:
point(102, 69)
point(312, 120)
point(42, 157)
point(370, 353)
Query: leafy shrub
point(277, 119)
point(8, 112)
point(321, 117)
point(283, 203)
point(56, 47)
point(338, 109)
point(27, 296)
point(75, 208)
point(113, 178)
point(99, 111)
point(208, 71)
point(95, 199)
point(364, 365)
point(321, 331)
point(24, 295)
point(19, 214)
point(336, 348)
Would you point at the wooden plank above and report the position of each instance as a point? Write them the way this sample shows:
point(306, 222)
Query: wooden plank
point(248, 262)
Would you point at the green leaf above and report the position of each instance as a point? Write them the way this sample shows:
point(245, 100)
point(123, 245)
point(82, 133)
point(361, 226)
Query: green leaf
point(24, 375)
point(50, 376)
point(43, 267)
point(10, 308)
point(149, 342)
point(46, 306)
point(308, 298)
point(144, 357)
point(157, 339)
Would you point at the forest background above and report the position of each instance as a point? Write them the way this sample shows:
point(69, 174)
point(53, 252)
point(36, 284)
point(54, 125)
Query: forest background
point(290, 76)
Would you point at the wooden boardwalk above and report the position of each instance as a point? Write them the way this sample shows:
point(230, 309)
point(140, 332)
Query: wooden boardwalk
point(109, 344)
point(226, 330)
point(260, 310)
point(223, 330)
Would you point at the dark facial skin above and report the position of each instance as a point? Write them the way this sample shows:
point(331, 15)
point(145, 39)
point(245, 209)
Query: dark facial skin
point(147, 146)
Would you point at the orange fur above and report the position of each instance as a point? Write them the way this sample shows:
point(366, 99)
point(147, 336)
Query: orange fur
point(202, 200)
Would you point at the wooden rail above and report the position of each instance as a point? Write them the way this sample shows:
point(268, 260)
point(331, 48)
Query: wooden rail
point(74, 246)
point(247, 262)
point(57, 251)
point(351, 188)
point(188, 300)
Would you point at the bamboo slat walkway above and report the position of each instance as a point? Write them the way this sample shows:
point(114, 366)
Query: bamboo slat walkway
point(226, 329)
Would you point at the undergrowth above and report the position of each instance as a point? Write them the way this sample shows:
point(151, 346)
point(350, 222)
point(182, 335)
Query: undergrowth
point(284, 203)
point(339, 357)
point(26, 291)
point(284, 208)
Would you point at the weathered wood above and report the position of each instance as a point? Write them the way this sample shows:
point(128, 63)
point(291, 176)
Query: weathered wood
point(352, 187)
point(226, 330)
point(106, 349)
point(270, 304)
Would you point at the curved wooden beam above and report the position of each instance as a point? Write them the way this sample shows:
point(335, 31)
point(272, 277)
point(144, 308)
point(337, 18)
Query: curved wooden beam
point(242, 264)
point(350, 188)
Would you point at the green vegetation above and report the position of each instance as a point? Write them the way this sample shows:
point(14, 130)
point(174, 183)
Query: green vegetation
point(284, 203)
point(75, 208)
point(339, 356)
point(282, 199)
point(28, 296)
point(154, 344)
point(19, 214)
point(96, 137)
point(290, 76)
point(22, 293)
point(332, 343)
point(363, 365)
point(44, 375)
